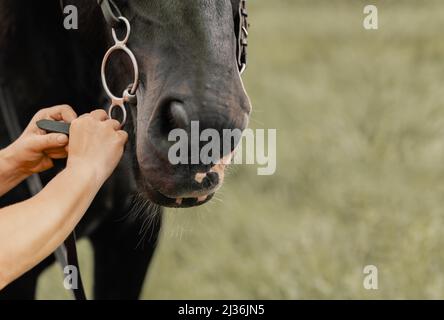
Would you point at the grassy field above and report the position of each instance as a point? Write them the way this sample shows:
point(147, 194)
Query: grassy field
point(360, 123)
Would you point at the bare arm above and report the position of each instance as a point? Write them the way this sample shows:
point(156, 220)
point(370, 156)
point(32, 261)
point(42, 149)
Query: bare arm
point(10, 174)
point(31, 230)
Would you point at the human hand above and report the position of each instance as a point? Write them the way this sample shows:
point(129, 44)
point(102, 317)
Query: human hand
point(96, 144)
point(35, 150)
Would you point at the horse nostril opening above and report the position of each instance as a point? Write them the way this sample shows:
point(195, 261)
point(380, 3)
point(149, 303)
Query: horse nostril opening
point(177, 115)
point(173, 116)
point(211, 180)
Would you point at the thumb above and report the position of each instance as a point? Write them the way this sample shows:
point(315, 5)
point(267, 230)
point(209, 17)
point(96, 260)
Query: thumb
point(50, 141)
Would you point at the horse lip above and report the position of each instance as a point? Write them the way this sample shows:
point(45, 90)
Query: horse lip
point(201, 196)
point(193, 194)
point(183, 202)
point(175, 202)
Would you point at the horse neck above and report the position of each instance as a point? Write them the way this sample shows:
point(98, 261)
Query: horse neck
point(43, 63)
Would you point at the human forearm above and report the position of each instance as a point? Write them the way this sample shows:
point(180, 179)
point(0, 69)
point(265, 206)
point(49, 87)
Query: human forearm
point(33, 229)
point(10, 172)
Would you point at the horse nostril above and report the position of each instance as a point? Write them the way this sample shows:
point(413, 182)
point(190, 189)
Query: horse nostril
point(178, 117)
point(211, 180)
point(172, 115)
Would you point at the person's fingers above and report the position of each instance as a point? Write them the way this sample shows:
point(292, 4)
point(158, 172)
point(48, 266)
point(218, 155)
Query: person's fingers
point(99, 114)
point(59, 113)
point(123, 135)
point(81, 117)
point(113, 123)
point(49, 141)
point(57, 154)
point(66, 114)
point(56, 150)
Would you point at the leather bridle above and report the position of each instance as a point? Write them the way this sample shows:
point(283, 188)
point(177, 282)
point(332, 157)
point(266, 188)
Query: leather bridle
point(242, 36)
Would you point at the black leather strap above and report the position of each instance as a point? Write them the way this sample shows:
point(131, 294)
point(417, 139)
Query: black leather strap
point(110, 11)
point(51, 126)
point(242, 35)
point(71, 252)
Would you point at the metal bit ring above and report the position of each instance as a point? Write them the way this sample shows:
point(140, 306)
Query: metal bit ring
point(127, 94)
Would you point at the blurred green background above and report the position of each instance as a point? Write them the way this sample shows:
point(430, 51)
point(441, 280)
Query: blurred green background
point(360, 128)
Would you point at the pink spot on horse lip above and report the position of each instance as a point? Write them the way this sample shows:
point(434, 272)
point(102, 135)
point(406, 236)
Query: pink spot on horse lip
point(219, 167)
point(200, 176)
point(197, 194)
point(225, 160)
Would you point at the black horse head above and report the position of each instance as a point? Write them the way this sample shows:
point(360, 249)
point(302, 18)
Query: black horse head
point(187, 53)
point(187, 56)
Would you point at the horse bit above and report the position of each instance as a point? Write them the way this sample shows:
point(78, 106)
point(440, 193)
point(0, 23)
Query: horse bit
point(129, 94)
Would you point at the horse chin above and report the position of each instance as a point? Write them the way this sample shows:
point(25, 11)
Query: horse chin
point(167, 190)
point(161, 199)
point(164, 201)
